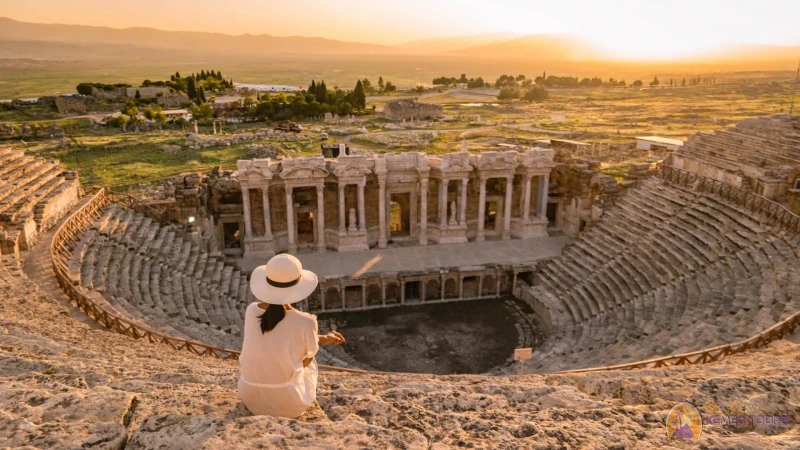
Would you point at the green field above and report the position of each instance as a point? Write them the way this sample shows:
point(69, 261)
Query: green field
point(110, 157)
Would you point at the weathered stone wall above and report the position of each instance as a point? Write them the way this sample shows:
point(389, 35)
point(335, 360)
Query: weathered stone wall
point(83, 104)
point(170, 100)
point(111, 96)
point(145, 92)
point(410, 109)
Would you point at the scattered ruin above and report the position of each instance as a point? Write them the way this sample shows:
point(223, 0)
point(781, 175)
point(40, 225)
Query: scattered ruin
point(399, 110)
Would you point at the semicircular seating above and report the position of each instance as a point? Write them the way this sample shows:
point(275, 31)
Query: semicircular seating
point(667, 271)
point(161, 278)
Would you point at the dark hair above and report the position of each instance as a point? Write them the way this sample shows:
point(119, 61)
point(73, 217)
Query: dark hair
point(271, 317)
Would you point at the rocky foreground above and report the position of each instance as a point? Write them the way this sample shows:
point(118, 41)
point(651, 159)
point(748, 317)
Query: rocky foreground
point(64, 385)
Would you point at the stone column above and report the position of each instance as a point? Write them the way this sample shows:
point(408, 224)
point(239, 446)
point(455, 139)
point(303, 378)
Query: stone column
point(541, 204)
point(443, 204)
point(322, 295)
point(267, 218)
point(320, 218)
point(526, 199)
point(423, 211)
point(402, 291)
point(481, 210)
point(382, 211)
point(507, 208)
point(290, 220)
point(480, 286)
point(462, 208)
point(383, 292)
point(342, 212)
point(364, 295)
point(248, 224)
point(422, 284)
point(362, 214)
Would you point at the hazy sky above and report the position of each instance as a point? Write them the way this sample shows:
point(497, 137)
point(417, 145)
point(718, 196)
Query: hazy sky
point(633, 27)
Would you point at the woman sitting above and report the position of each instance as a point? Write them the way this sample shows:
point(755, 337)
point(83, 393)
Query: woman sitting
point(279, 373)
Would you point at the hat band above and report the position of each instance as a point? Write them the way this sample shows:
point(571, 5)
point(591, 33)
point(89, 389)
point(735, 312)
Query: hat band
point(279, 284)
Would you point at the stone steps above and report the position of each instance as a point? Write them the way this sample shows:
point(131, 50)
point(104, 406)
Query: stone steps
point(705, 274)
point(159, 276)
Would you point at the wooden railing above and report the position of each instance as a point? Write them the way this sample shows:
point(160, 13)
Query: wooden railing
point(771, 212)
point(162, 216)
point(61, 247)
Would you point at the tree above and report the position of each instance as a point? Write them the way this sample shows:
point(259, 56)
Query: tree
point(367, 86)
point(312, 89)
point(520, 78)
point(508, 93)
point(390, 87)
point(463, 78)
point(419, 89)
point(138, 95)
point(191, 88)
point(536, 94)
point(120, 121)
point(381, 86)
point(322, 92)
point(359, 98)
point(130, 109)
point(655, 82)
point(84, 88)
point(637, 84)
point(201, 112)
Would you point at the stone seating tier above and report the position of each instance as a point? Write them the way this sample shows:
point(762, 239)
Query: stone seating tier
point(667, 271)
point(757, 142)
point(159, 276)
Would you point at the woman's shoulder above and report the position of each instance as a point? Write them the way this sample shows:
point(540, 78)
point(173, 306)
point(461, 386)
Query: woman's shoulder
point(304, 315)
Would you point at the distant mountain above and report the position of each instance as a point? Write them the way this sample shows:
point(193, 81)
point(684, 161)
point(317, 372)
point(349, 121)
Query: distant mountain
point(207, 43)
point(449, 44)
point(752, 52)
point(541, 47)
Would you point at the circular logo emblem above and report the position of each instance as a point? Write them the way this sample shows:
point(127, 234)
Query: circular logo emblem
point(684, 422)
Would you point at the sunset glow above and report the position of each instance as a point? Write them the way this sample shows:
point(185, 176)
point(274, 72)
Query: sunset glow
point(628, 29)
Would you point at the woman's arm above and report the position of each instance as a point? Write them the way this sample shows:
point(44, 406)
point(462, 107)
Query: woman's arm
point(334, 337)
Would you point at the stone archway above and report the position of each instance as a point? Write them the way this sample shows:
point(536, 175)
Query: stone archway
point(333, 299)
point(392, 293)
point(450, 288)
point(374, 295)
point(470, 287)
point(488, 286)
point(353, 297)
point(432, 290)
point(314, 301)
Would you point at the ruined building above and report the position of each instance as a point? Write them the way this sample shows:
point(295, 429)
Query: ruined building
point(398, 110)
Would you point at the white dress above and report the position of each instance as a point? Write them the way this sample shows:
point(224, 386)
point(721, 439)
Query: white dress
point(273, 380)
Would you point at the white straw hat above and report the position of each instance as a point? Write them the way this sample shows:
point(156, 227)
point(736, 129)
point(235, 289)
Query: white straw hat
point(282, 281)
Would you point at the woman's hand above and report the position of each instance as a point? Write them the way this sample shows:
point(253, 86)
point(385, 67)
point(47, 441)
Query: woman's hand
point(334, 337)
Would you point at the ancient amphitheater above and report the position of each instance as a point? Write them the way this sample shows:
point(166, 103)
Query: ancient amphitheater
point(121, 320)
